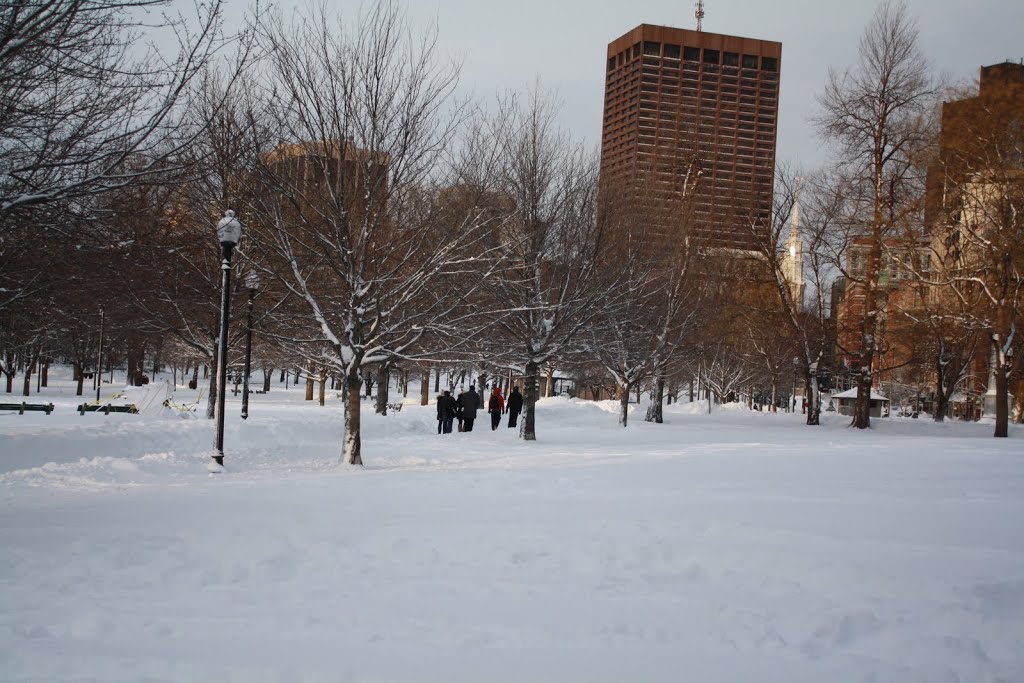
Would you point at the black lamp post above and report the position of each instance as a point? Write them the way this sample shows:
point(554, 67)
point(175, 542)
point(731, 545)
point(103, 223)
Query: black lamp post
point(99, 359)
point(252, 283)
point(228, 231)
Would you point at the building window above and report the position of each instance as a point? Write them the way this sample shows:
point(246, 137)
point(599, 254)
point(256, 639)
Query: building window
point(671, 51)
point(710, 56)
point(769, 64)
point(636, 50)
point(749, 61)
point(731, 59)
point(611, 63)
point(691, 54)
point(652, 48)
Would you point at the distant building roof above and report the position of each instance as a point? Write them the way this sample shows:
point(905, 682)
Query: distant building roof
point(852, 393)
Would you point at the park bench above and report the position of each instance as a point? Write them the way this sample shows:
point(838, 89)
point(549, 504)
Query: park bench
point(107, 409)
point(22, 407)
point(397, 407)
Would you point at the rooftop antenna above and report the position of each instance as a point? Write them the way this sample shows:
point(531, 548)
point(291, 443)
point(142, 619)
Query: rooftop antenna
point(699, 14)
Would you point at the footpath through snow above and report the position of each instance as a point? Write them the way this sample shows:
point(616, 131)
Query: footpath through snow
point(732, 547)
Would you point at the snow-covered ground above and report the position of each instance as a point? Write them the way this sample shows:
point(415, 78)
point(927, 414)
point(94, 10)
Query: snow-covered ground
point(732, 547)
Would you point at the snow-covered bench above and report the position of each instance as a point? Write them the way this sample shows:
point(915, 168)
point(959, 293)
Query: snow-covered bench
point(22, 407)
point(107, 409)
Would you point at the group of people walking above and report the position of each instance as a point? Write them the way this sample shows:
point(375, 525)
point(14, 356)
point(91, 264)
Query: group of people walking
point(464, 409)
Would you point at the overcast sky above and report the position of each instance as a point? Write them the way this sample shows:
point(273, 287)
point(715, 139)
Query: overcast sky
point(506, 44)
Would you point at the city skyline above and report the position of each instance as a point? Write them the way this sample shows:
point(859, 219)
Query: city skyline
point(566, 44)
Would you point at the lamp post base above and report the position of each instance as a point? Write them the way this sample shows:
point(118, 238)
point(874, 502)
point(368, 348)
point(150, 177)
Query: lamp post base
point(216, 466)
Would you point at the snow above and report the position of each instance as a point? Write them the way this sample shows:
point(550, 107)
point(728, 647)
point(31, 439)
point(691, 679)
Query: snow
point(852, 393)
point(736, 546)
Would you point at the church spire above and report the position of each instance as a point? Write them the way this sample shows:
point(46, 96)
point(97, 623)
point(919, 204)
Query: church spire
point(793, 259)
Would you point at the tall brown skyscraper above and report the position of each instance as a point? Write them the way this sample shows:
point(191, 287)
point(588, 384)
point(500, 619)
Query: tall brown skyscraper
point(679, 102)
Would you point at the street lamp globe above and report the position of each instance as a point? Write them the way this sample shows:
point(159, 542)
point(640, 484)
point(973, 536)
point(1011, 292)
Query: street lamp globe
point(229, 229)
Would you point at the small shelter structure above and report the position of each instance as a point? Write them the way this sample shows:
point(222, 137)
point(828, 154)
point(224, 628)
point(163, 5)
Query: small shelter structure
point(846, 401)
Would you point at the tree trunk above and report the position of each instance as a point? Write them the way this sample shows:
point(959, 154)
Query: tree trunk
point(530, 390)
point(351, 452)
point(80, 376)
point(9, 370)
point(29, 369)
point(862, 406)
point(549, 389)
point(656, 413)
point(135, 360)
point(437, 380)
point(813, 395)
point(309, 381)
point(405, 384)
point(45, 374)
point(624, 404)
point(323, 385)
point(425, 388)
point(941, 399)
point(383, 388)
point(267, 374)
point(1002, 404)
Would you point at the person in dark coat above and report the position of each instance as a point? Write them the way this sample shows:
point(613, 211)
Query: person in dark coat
point(495, 406)
point(445, 413)
point(469, 403)
point(515, 406)
point(440, 413)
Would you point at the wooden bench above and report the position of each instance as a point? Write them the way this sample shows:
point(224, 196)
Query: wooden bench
point(397, 407)
point(22, 407)
point(107, 409)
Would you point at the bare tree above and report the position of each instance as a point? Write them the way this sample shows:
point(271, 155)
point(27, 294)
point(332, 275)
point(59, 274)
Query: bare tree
point(725, 369)
point(549, 287)
point(657, 297)
point(82, 110)
point(990, 263)
point(873, 113)
point(350, 192)
point(800, 248)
